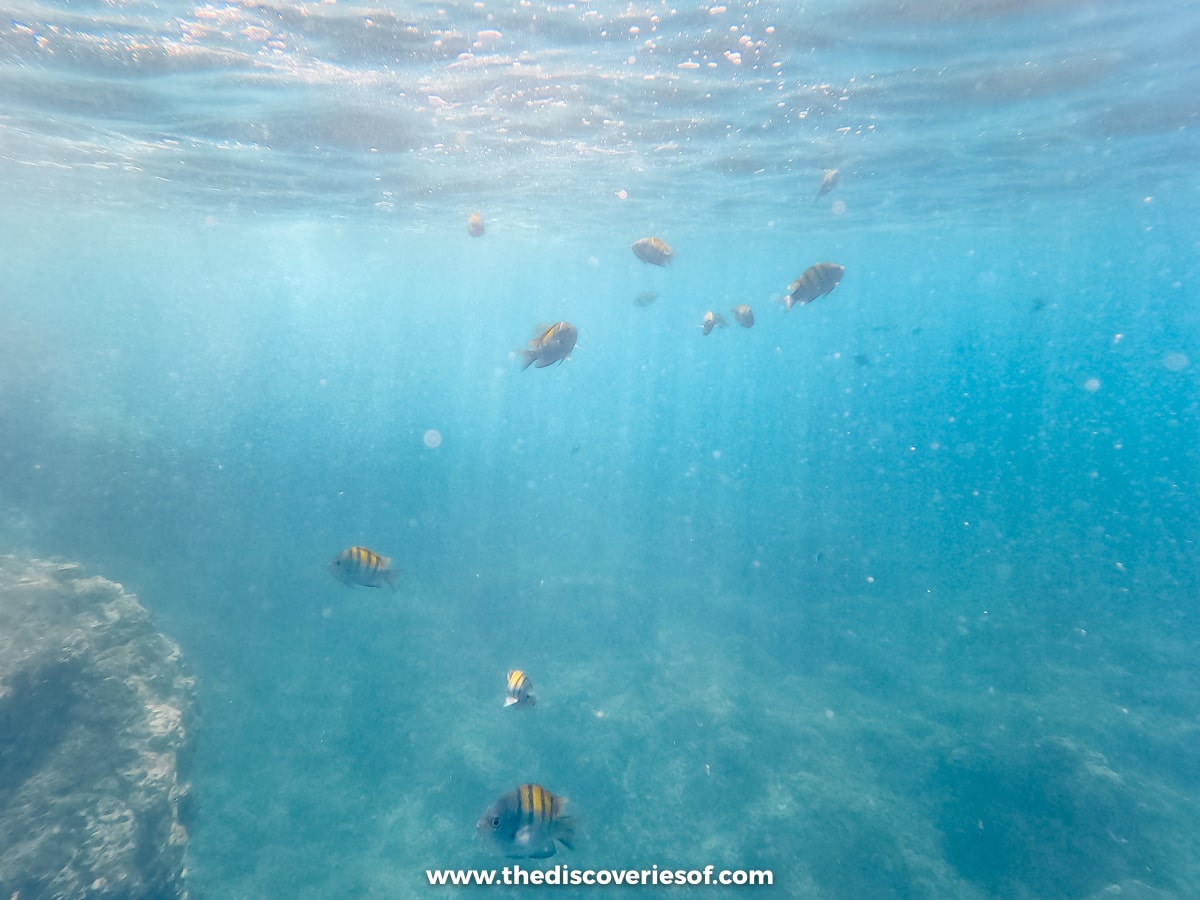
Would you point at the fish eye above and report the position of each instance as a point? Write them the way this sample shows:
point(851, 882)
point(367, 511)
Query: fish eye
point(494, 821)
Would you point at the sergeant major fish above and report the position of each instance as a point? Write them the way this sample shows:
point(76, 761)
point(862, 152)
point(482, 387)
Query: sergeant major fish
point(828, 182)
point(520, 690)
point(551, 345)
point(815, 281)
point(358, 565)
point(653, 250)
point(526, 822)
point(712, 320)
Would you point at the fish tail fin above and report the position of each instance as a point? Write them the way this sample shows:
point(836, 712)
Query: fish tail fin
point(529, 356)
point(389, 575)
point(566, 832)
point(509, 701)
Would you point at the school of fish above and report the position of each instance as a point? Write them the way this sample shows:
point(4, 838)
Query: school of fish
point(528, 821)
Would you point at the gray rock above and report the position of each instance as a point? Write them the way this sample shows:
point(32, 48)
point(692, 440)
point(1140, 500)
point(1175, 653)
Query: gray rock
point(95, 708)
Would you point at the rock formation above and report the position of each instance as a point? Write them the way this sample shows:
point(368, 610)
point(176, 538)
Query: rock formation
point(95, 708)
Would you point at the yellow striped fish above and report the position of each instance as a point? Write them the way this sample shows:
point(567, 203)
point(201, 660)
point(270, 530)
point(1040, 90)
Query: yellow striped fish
point(653, 250)
point(815, 281)
point(527, 821)
point(520, 689)
point(712, 320)
point(551, 344)
point(358, 565)
point(828, 182)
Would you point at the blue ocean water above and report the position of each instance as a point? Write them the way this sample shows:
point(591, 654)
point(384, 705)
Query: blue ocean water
point(893, 594)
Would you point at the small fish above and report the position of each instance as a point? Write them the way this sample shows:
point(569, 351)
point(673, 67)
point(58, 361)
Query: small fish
point(551, 345)
point(358, 565)
point(475, 225)
point(744, 315)
point(527, 821)
point(520, 690)
point(653, 250)
point(816, 281)
point(712, 320)
point(862, 359)
point(645, 298)
point(828, 183)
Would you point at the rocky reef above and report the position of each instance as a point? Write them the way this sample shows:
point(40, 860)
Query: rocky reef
point(95, 712)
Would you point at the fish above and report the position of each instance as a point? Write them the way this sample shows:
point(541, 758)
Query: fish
point(358, 565)
point(744, 315)
point(551, 345)
point(475, 225)
point(526, 822)
point(815, 281)
point(828, 183)
point(653, 250)
point(520, 690)
point(645, 298)
point(712, 320)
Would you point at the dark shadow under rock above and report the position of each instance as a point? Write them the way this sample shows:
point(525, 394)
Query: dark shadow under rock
point(95, 707)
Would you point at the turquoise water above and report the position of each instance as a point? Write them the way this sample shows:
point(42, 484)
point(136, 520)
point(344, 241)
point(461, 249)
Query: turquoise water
point(893, 594)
